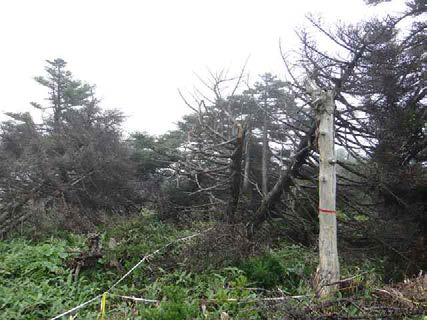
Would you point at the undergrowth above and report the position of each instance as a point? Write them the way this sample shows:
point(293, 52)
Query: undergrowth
point(36, 281)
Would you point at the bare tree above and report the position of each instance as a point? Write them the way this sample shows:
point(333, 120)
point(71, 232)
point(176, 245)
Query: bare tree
point(328, 273)
point(216, 145)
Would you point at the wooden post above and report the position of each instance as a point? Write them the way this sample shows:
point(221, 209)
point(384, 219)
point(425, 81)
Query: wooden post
point(328, 272)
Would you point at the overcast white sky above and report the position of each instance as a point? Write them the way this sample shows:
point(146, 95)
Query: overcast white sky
point(138, 53)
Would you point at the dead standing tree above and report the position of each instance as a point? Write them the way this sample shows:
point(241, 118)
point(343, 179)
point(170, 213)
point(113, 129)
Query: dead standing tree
point(328, 273)
point(342, 79)
point(215, 148)
point(383, 88)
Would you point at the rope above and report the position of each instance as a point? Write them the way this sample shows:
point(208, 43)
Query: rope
point(77, 308)
point(145, 258)
point(136, 299)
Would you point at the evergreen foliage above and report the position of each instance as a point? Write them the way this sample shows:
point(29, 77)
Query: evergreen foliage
point(243, 165)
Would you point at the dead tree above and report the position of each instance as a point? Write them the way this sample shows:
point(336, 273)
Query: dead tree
point(328, 273)
point(214, 152)
point(236, 174)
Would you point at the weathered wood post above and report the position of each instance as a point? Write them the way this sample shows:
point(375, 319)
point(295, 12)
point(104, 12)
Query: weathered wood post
point(328, 272)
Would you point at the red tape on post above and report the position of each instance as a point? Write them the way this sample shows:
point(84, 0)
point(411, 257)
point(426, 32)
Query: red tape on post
point(326, 211)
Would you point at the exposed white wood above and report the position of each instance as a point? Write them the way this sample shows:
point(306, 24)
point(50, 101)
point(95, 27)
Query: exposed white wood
point(328, 272)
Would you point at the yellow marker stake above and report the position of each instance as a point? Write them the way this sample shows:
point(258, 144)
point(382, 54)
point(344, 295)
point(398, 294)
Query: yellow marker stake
point(102, 313)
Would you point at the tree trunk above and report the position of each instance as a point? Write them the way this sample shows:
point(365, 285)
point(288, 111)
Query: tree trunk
point(265, 157)
point(245, 187)
point(236, 173)
point(328, 270)
point(285, 181)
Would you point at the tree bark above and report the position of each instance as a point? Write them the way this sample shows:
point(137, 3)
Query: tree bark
point(328, 270)
point(236, 173)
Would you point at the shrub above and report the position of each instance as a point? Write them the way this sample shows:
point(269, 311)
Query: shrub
point(173, 306)
point(266, 270)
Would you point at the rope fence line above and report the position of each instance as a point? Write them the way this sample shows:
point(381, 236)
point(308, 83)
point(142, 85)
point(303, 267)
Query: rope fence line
point(102, 296)
point(77, 307)
point(136, 299)
point(237, 300)
point(144, 259)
